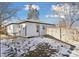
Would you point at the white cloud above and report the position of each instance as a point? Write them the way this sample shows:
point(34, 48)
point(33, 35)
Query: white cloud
point(36, 7)
point(55, 16)
point(47, 16)
point(26, 7)
point(62, 16)
point(33, 6)
point(56, 7)
point(51, 16)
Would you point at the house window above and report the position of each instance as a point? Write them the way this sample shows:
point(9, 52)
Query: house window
point(43, 27)
point(37, 28)
point(9, 27)
point(19, 26)
point(19, 32)
point(25, 30)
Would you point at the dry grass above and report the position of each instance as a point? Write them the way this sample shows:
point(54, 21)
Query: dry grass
point(4, 36)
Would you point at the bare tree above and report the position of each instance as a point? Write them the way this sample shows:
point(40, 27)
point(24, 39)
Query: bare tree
point(7, 12)
point(68, 12)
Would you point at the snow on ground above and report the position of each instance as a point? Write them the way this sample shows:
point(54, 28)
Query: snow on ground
point(22, 45)
point(75, 52)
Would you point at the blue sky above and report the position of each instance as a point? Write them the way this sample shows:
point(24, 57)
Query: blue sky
point(45, 9)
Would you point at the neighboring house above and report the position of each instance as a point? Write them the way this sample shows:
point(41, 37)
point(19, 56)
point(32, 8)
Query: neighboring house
point(28, 28)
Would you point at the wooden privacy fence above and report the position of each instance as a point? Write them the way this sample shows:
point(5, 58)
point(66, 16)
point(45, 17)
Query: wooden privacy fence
point(66, 34)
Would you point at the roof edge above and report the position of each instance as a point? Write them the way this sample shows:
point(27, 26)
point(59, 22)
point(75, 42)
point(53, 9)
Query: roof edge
point(30, 22)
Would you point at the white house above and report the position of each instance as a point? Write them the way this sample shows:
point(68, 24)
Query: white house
point(28, 28)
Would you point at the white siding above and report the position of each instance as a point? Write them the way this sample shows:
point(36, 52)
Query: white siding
point(22, 29)
point(27, 29)
point(16, 29)
point(32, 29)
point(42, 30)
point(10, 29)
point(13, 29)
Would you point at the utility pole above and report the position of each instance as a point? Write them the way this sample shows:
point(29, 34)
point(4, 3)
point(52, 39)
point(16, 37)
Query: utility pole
point(60, 34)
point(60, 29)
